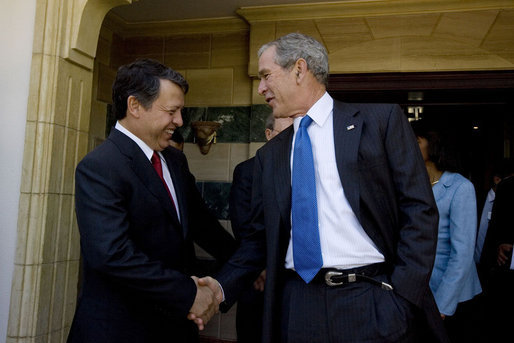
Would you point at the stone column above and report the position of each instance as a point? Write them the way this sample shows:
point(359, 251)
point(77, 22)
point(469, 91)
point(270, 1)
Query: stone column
point(47, 257)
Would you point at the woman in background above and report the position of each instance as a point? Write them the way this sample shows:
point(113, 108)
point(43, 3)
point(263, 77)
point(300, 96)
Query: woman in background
point(454, 281)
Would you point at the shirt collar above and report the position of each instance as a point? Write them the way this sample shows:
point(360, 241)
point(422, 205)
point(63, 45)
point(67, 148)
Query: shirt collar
point(146, 149)
point(319, 112)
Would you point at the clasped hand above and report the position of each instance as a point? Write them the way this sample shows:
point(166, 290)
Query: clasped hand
point(207, 300)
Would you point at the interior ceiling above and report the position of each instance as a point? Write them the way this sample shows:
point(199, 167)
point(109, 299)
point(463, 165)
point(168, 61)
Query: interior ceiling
point(163, 10)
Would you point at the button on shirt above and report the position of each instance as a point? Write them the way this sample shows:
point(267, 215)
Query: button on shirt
point(149, 153)
point(344, 243)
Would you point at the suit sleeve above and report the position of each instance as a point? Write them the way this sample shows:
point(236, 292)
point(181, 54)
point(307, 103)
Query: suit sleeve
point(102, 214)
point(249, 259)
point(462, 242)
point(240, 199)
point(417, 212)
point(206, 229)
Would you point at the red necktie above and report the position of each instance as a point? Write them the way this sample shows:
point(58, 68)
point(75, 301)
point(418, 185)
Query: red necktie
point(156, 162)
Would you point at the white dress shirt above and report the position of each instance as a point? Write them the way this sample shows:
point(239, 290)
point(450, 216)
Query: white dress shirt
point(344, 243)
point(149, 153)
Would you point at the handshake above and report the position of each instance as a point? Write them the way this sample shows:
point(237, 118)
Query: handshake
point(208, 297)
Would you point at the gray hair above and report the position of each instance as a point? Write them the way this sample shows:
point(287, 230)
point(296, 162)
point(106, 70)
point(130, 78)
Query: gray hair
point(270, 122)
point(293, 46)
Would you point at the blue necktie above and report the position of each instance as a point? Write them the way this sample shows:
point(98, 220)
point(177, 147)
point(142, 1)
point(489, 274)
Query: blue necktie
point(306, 245)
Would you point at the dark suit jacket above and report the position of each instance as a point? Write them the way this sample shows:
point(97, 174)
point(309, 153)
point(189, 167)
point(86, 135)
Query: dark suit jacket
point(386, 183)
point(240, 197)
point(137, 256)
point(500, 227)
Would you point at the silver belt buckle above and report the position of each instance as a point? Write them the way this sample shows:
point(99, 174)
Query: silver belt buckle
point(328, 278)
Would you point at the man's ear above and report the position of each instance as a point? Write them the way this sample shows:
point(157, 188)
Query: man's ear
point(268, 133)
point(133, 106)
point(300, 69)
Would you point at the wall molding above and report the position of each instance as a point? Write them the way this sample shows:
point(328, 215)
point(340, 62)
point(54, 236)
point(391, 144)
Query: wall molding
point(364, 8)
point(175, 27)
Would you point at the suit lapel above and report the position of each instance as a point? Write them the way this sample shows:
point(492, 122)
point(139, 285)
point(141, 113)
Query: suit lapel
point(347, 134)
point(175, 174)
point(281, 153)
point(142, 167)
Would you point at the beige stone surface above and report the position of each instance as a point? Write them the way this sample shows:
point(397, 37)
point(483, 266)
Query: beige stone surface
point(238, 154)
point(49, 227)
point(307, 27)
point(405, 25)
point(440, 54)
point(106, 76)
point(229, 49)
point(188, 51)
point(253, 147)
point(211, 167)
point(242, 87)
point(342, 33)
point(210, 87)
point(257, 99)
point(67, 214)
point(70, 149)
point(260, 33)
point(58, 296)
point(457, 26)
point(28, 156)
point(373, 56)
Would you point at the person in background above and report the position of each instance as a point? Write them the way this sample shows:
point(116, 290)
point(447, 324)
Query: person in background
point(138, 213)
point(250, 304)
point(343, 217)
point(485, 217)
point(177, 140)
point(454, 281)
point(496, 261)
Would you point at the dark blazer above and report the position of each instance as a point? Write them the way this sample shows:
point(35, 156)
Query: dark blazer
point(386, 183)
point(137, 256)
point(500, 227)
point(240, 197)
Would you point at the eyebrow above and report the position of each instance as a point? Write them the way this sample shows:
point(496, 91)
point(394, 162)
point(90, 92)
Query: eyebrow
point(263, 71)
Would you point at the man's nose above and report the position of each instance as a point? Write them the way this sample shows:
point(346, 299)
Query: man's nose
point(262, 87)
point(177, 119)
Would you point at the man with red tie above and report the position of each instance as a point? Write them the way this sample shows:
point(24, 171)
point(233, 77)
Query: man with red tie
point(138, 213)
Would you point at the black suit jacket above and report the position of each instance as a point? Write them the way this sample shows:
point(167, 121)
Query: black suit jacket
point(501, 225)
point(240, 197)
point(386, 183)
point(137, 256)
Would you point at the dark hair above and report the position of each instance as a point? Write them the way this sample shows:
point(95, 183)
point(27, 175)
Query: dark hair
point(440, 150)
point(270, 122)
point(141, 79)
point(177, 137)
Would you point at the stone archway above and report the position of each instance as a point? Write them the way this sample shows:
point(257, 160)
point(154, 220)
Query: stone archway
point(44, 285)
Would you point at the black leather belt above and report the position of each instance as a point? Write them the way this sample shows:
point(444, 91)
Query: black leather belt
point(338, 277)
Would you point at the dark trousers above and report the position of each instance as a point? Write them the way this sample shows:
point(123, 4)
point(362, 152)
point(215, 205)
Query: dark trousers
point(356, 312)
point(464, 326)
point(496, 310)
point(249, 316)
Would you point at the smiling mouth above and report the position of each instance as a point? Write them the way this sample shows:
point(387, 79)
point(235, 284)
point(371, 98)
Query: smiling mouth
point(169, 131)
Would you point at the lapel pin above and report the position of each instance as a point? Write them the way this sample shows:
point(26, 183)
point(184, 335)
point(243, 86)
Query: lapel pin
point(351, 127)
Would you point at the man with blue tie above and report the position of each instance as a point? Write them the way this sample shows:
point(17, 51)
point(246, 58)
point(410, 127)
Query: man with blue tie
point(343, 215)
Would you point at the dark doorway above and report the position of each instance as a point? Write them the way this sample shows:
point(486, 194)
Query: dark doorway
point(474, 108)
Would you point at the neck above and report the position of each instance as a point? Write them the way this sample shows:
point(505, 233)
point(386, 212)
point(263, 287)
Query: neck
point(309, 93)
point(433, 173)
